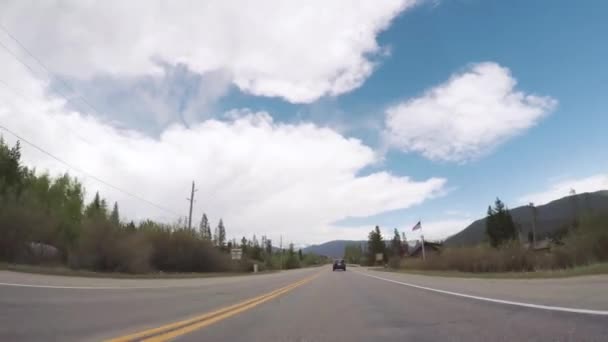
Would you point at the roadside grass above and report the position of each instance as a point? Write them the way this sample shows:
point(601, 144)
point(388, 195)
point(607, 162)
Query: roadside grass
point(65, 271)
point(594, 269)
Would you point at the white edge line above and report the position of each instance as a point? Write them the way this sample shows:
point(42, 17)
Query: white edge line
point(494, 300)
point(92, 287)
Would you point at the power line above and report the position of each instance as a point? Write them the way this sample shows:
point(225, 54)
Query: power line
point(17, 57)
point(65, 84)
point(30, 98)
point(84, 100)
point(77, 169)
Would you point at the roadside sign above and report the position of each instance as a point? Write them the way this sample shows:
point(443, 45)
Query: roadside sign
point(236, 253)
point(379, 256)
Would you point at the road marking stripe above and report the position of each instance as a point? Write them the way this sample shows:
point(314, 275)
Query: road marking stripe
point(494, 300)
point(190, 328)
point(91, 287)
point(172, 330)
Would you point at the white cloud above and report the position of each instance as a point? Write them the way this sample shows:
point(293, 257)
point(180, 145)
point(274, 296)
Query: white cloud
point(563, 187)
point(297, 50)
point(465, 117)
point(259, 175)
point(457, 213)
point(434, 230)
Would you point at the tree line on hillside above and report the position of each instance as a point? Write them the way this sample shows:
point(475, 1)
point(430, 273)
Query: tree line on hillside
point(582, 242)
point(45, 219)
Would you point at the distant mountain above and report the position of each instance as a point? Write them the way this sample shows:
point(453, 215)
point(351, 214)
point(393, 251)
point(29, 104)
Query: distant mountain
point(333, 249)
point(550, 217)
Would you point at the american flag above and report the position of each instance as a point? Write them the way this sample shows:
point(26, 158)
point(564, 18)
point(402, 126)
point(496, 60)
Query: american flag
point(417, 226)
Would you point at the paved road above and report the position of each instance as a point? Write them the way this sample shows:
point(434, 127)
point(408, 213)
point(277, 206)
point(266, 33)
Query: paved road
point(330, 306)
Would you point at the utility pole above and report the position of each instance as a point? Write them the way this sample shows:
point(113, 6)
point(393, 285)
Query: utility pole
point(533, 225)
point(191, 199)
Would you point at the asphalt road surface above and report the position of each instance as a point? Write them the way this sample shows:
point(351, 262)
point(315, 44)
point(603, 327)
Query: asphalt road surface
point(303, 305)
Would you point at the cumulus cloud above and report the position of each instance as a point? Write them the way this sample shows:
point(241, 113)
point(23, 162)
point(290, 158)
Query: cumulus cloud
point(562, 188)
point(150, 103)
point(260, 176)
point(296, 50)
point(467, 116)
point(442, 229)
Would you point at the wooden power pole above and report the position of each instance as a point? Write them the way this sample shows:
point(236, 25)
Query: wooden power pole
point(191, 199)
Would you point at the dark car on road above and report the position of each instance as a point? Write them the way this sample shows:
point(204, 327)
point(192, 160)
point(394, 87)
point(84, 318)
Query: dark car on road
point(340, 265)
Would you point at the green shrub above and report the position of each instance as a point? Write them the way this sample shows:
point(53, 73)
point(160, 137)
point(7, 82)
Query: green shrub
point(585, 245)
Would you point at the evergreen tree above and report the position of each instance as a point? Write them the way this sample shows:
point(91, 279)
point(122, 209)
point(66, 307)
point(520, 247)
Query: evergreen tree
point(292, 258)
point(500, 227)
point(216, 236)
point(256, 249)
point(11, 172)
point(130, 227)
point(300, 255)
point(244, 245)
point(396, 248)
point(268, 248)
point(205, 229)
point(375, 245)
point(221, 234)
point(94, 208)
point(115, 216)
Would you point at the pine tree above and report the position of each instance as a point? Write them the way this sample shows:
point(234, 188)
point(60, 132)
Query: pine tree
point(268, 248)
point(500, 227)
point(244, 245)
point(396, 248)
point(94, 208)
point(115, 216)
point(221, 234)
point(131, 227)
point(375, 245)
point(11, 171)
point(292, 259)
point(205, 229)
point(256, 250)
point(103, 207)
point(216, 237)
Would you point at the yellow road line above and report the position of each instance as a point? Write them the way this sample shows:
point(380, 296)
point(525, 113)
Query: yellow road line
point(172, 330)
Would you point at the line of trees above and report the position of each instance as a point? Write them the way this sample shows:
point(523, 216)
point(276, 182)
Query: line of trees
point(45, 219)
point(353, 254)
point(376, 245)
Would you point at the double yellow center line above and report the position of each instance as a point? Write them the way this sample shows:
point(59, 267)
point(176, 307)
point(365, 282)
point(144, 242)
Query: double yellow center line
point(173, 330)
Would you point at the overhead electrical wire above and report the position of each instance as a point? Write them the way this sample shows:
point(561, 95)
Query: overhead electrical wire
point(48, 71)
point(92, 176)
point(44, 151)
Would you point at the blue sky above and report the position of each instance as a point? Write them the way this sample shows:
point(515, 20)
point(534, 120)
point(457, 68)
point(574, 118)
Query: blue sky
point(383, 114)
point(552, 48)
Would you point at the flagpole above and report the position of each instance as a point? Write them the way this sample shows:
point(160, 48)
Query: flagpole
point(422, 238)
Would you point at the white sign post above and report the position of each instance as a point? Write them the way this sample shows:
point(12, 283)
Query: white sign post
point(236, 253)
point(379, 256)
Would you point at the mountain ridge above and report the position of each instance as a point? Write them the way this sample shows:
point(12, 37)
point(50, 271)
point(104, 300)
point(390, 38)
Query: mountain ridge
point(551, 217)
point(333, 249)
